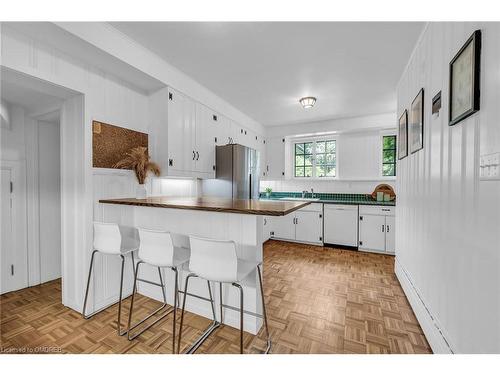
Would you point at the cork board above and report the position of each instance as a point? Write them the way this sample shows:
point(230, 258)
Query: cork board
point(111, 143)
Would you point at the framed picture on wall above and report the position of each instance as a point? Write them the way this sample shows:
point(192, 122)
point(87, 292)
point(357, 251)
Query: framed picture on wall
point(416, 126)
point(464, 80)
point(403, 135)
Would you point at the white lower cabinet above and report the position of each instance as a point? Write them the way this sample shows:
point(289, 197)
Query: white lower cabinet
point(377, 229)
point(304, 225)
point(341, 224)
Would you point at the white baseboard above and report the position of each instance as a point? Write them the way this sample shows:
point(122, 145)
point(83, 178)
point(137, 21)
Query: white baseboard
point(431, 327)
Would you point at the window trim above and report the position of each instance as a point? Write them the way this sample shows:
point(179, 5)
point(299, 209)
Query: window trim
point(381, 154)
point(294, 141)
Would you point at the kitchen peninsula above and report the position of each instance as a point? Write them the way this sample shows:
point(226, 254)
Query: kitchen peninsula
point(240, 220)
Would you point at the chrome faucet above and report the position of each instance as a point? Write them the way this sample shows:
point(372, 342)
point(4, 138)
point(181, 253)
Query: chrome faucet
point(312, 193)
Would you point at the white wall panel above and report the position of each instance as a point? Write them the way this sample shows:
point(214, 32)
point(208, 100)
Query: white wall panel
point(447, 240)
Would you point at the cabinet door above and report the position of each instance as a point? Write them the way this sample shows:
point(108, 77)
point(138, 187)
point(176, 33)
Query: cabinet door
point(205, 140)
point(275, 153)
point(341, 225)
point(180, 132)
point(263, 158)
point(284, 227)
point(390, 234)
point(234, 132)
point(308, 226)
point(222, 130)
point(267, 223)
point(372, 232)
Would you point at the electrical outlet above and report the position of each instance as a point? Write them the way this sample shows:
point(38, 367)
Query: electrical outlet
point(489, 166)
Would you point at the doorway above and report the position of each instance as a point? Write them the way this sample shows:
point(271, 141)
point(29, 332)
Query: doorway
point(30, 235)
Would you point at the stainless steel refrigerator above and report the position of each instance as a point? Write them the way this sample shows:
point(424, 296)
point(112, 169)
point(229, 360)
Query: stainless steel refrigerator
point(237, 169)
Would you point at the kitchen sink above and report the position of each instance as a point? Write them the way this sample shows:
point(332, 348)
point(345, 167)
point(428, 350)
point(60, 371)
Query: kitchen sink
point(300, 199)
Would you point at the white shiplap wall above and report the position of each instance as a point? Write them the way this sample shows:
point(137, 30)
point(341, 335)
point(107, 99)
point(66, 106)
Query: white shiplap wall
point(447, 241)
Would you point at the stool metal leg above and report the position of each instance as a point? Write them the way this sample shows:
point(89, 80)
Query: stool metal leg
point(215, 324)
point(264, 312)
point(176, 305)
point(88, 286)
point(241, 315)
point(136, 278)
point(119, 323)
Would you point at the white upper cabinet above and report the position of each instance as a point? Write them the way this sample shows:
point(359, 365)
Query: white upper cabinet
point(184, 134)
point(275, 159)
point(204, 145)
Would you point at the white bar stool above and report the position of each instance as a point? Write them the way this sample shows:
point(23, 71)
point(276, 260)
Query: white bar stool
point(157, 249)
point(216, 260)
point(112, 239)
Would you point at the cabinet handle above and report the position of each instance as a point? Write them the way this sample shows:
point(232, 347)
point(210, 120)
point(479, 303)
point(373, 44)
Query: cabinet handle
point(296, 220)
point(197, 155)
point(387, 229)
point(265, 221)
point(194, 155)
point(383, 227)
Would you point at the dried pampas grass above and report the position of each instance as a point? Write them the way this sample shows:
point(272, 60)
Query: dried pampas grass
point(138, 160)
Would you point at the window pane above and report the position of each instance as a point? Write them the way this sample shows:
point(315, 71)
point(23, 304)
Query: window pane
point(308, 160)
point(308, 148)
point(389, 169)
point(299, 160)
point(299, 172)
point(330, 158)
point(320, 159)
point(330, 146)
point(389, 142)
point(389, 156)
point(320, 171)
point(299, 149)
point(320, 147)
point(308, 171)
point(330, 171)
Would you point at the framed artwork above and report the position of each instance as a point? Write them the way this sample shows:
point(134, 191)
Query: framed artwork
point(111, 143)
point(464, 80)
point(403, 135)
point(416, 126)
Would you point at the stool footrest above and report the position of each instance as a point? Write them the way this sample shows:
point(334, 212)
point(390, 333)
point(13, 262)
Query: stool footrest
point(244, 311)
point(151, 324)
point(203, 337)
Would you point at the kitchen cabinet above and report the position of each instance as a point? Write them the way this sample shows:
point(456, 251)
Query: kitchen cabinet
point(308, 226)
point(377, 229)
point(275, 158)
point(341, 224)
point(184, 134)
point(303, 225)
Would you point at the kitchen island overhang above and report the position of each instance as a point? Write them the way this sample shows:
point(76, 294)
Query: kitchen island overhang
point(239, 220)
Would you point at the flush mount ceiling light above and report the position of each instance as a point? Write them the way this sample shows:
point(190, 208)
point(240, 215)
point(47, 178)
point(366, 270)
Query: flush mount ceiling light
point(308, 101)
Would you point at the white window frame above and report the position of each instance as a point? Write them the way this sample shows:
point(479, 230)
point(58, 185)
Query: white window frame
point(383, 134)
point(294, 141)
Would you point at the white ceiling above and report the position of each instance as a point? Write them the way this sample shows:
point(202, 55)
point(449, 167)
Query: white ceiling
point(264, 68)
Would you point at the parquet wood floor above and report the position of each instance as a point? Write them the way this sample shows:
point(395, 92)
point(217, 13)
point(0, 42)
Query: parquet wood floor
point(319, 300)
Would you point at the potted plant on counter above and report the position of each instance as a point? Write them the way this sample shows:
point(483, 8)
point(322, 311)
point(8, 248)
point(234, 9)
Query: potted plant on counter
point(138, 160)
point(268, 192)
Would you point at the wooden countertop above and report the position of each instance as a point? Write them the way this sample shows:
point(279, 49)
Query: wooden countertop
point(239, 206)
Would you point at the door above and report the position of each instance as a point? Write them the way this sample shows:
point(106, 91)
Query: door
point(372, 232)
point(390, 234)
point(181, 155)
point(6, 234)
point(308, 226)
point(284, 227)
point(205, 134)
point(275, 153)
point(341, 225)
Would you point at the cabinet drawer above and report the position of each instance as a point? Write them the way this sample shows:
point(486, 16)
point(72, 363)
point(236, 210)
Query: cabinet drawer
point(341, 207)
point(314, 207)
point(377, 210)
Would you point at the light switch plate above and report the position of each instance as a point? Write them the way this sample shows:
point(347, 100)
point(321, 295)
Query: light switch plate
point(489, 166)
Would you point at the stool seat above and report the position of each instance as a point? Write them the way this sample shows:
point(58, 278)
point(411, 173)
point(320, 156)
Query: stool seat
point(181, 256)
point(245, 267)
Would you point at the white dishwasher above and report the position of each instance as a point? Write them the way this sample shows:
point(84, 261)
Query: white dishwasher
point(341, 224)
